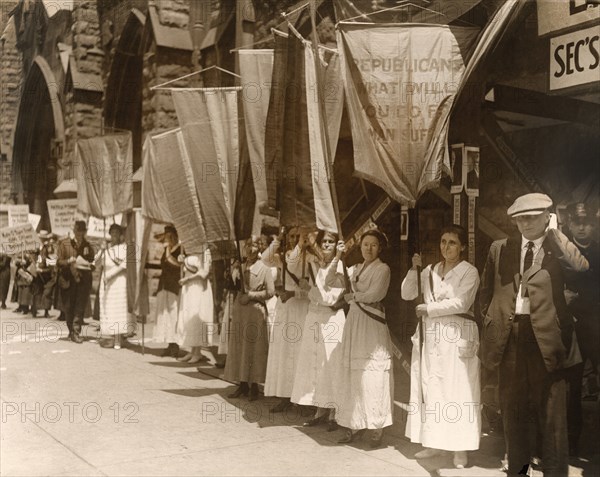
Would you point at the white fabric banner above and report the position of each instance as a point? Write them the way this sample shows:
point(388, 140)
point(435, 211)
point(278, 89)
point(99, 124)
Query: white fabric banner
point(400, 82)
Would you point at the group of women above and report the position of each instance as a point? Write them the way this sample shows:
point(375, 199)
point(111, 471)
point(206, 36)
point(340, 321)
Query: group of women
point(325, 342)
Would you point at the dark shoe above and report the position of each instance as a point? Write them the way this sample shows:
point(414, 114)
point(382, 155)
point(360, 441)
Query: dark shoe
point(332, 425)
point(315, 421)
point(254, 395)
point(376, 438)
point(76, 338)
point(220, 364)
point(242, 390)
point(167, 351)
point(3, 306)
point(106, 343)
point(282, 406)
point(175, 351)
point(350, 436)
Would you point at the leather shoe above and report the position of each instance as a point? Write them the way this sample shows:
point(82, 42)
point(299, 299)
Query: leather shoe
point(351, 435)
point(253, 392)
point(242, 390)
point(332, 425)
point(315, 421)
point(376, 438)
point(76, 338)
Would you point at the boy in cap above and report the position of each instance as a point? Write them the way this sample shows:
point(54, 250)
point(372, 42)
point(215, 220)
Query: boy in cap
point(583, 297)
point(528, 330)
point(75, 256)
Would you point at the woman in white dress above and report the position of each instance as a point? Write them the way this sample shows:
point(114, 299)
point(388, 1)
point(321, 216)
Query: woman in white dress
point(114, 316)
point(317, 372)
point(368, 382)
point(290, 314)
point(445, 389)
point(195, 326)
point(167, 297)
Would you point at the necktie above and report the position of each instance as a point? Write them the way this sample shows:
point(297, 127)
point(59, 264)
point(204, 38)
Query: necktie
point(528, 261)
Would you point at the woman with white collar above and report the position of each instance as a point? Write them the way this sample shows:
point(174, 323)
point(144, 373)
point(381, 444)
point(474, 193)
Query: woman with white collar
point(445, 389)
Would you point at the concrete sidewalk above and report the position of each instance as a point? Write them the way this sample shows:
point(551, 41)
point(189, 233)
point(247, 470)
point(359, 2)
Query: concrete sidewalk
point(70, 409)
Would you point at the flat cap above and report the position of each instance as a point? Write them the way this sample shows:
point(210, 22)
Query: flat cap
point(530, 204)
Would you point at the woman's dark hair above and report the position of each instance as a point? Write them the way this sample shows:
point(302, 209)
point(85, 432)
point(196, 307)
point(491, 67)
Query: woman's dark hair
point(378, 235)
point(321, 234)
point(457, 230)
point(115, 227)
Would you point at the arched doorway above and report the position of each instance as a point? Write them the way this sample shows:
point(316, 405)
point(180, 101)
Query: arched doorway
point(123, 99)
point(39, 130)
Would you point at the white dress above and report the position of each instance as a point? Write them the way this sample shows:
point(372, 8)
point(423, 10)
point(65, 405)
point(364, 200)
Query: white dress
point(320, 360)
point(195, 323)
point(367, 385)
point(284, 348)
point(114, 318)
point(448, 373)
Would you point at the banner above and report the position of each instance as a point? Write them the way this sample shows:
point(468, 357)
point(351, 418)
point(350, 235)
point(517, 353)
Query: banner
point(19, 239)
point(210, 131)
point(104, 174)
point(256, 69)
point(275, 122)
point(63, 214)
point(18, 214)
point(154, 198)
point(178, 182)
point(400, 82)
point(331, 94)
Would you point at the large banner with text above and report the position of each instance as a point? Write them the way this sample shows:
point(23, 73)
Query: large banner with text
point(400, 82)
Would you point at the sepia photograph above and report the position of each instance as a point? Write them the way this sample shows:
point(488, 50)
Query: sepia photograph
point(300, 238)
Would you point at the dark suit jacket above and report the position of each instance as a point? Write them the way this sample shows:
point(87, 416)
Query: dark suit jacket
point(550, 318)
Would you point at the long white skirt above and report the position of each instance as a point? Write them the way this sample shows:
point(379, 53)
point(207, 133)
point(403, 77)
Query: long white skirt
point(167, 305)
point(367, 385)
point(450, 416)
point(319, 368)
point(284, 348)
point(195, 326)
point(114, 319)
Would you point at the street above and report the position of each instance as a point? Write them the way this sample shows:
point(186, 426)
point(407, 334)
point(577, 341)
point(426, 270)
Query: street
point(70, 409)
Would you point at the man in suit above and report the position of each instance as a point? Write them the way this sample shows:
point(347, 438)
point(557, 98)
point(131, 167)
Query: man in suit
point(75, 256)
point(528, 333)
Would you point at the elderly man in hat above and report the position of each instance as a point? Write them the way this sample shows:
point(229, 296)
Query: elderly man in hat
point(75, 256)
point(528, 332)
point(583, 297)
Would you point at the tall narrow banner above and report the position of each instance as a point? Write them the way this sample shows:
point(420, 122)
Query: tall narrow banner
point(400, 81)
point(256, 70)
point(178, 182)
point(274, 138)
point(331, 94)
point(104, 174)
point(210, 132)
point(304, 195)
point(154, 197)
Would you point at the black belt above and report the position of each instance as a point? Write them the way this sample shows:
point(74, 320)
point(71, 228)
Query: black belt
point(521, 318)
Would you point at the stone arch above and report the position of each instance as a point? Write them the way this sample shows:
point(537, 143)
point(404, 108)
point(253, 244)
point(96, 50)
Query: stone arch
point(123, 97)
point(39, 134)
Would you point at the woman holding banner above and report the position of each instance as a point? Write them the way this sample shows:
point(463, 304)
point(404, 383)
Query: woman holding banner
point(317, 373)
point(366, 393)
point(248, 333)
point(167, 298)
point(444, 387)
point(113, 289)
point(195, 325)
